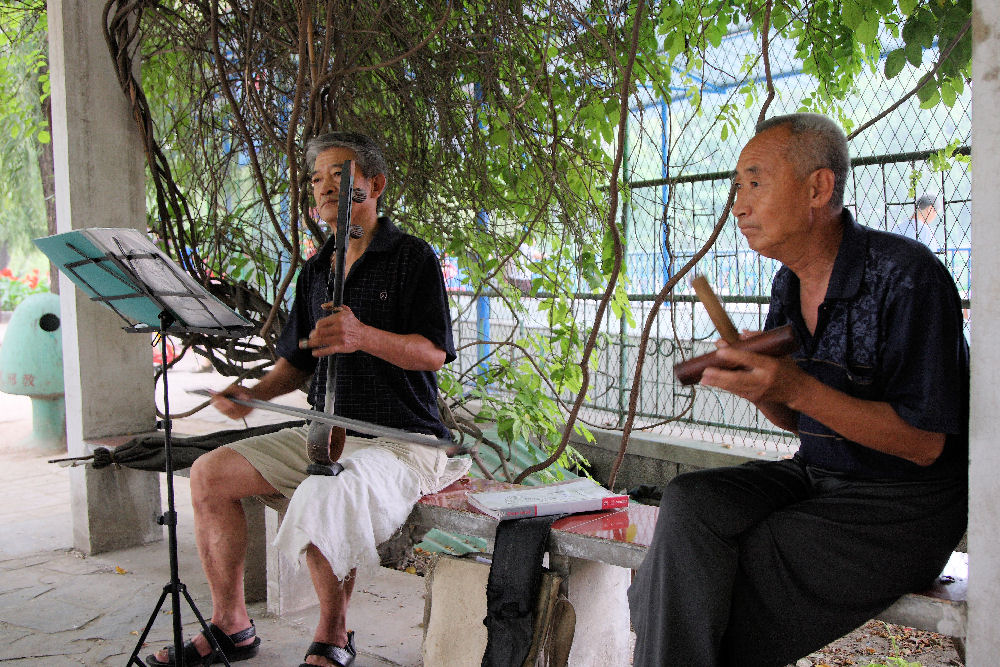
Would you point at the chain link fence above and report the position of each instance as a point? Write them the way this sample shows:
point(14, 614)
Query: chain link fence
point(680, 153)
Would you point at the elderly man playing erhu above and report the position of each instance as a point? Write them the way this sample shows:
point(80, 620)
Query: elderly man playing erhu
point(391, 335)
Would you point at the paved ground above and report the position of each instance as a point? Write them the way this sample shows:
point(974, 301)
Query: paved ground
point(59, 607)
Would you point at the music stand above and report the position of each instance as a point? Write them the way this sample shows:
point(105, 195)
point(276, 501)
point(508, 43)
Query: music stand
point(125, 271)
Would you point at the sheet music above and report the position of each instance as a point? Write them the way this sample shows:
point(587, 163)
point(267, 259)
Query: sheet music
point(142, 277)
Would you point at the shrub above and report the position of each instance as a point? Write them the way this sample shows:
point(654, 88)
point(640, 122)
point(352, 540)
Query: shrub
point(14, 290)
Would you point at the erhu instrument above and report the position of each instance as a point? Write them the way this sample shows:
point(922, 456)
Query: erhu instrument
point(451, 447)
point(325, 442)
point(774, 342)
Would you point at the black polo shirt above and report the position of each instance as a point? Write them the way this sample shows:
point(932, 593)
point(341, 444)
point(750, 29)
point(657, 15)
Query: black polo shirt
point(396, 286)
point(889, 329)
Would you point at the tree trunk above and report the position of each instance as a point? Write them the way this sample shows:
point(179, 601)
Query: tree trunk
point(46, 169)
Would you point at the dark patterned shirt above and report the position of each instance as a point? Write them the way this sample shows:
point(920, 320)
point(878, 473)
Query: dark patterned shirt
point(396, 286)
point(889, 329)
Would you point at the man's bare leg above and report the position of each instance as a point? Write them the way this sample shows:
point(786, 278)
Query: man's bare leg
point(219, 480)
point(334, 595)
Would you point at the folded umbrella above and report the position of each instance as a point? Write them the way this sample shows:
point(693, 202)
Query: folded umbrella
point(148, 452)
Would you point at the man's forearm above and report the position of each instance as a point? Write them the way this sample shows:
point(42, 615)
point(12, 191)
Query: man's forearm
point(411, 352)
point(780, 415)
point(873, 424)
point(284, 378)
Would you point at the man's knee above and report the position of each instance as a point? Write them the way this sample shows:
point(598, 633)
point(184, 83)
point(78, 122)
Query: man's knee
point(685, 495)
point(717, 500)
point(203, 471)
point(211, 472)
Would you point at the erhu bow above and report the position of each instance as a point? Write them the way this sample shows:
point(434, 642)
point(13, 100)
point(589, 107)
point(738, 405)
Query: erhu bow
point(325, 442)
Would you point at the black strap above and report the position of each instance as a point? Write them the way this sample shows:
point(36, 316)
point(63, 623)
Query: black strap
point(244, 634)
point(340, 655)
point(512, 589)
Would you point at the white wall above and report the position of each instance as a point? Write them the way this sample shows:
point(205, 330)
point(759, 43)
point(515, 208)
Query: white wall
point(984, 510)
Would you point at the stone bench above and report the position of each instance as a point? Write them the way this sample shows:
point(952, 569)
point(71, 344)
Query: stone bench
point(587, 549)
point(117, 508)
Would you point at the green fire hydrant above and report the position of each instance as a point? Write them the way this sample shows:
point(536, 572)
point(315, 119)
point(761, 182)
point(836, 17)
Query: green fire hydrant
point(31, 365)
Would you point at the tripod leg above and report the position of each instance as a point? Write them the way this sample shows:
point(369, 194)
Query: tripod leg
point(169, 519)
point(134, 658)
point(169, 589)
point(213, 642)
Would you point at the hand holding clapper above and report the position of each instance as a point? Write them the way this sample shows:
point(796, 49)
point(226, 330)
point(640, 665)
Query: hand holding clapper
point(774, 343)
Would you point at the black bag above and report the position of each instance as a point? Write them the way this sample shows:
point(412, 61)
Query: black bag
point(512, 589)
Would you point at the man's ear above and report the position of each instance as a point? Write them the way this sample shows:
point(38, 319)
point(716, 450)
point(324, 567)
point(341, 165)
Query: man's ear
point(821, 183)
point(378, 185)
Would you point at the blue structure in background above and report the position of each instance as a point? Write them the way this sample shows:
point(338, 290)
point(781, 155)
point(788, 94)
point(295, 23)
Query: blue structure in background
point(483, 309)
point(483, 303)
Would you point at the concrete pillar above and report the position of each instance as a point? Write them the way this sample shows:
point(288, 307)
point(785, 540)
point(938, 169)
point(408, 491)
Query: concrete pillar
point(99, 179)
point(597, 608)
point(255, 562)
point(598, 593)
point(983, 647)
point(454, 609)
point(114, 508)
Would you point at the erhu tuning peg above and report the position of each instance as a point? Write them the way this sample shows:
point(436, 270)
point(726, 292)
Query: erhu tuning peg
point(358, 195)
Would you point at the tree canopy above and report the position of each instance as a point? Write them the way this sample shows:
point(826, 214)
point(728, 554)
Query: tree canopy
point(504, 124)
point(25, 131)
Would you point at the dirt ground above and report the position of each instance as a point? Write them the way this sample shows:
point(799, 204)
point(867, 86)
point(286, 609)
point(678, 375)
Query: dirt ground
point(875, 641)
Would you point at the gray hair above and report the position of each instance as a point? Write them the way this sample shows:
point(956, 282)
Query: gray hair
point(820, 144)
point(368, 154)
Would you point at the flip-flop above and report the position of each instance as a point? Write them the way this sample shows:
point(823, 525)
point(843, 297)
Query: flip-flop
point(226, 642)
point(343, 656)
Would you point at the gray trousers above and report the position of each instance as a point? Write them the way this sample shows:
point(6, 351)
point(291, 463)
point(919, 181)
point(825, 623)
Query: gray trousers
point(761, 564)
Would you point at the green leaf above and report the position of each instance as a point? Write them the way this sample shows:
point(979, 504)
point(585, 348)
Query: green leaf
point(927, 92)
point(675, 44)
point(922, 28)
point(867, 30)
point(612, 112)
point(607, 252)
point(906, 7)
point(500, 136)
point(914, 54)
point(851, 14)
point(894, 63)
point(715, 33)
point(948, 94)
point(932, 99)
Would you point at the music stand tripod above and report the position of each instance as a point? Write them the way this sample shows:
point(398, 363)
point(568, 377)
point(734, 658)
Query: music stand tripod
point(122, 269)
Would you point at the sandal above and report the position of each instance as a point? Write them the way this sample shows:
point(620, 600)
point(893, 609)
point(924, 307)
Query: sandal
point(343, 656)
point(226, 642)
